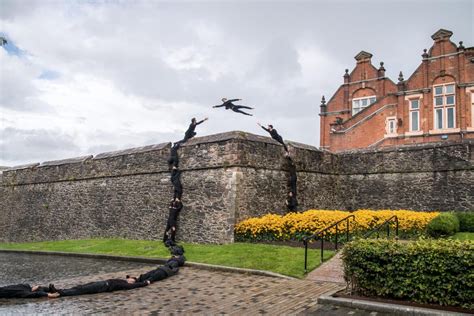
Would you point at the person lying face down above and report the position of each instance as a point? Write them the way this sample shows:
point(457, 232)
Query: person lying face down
point(234, 107)
point(171, 267)
point(26, 291)
point(110, 285)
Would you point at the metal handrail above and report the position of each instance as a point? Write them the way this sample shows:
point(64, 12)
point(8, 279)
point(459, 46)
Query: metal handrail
point(377, 229)
point(319, 235)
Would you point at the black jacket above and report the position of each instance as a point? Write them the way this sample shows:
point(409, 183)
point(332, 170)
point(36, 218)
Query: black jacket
point(109, 285)
point(228, 104)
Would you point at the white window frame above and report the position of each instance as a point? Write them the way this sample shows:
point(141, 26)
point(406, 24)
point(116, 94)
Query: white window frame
point(412, 110)
point(444, 107)
point(389, 133)
point(360, 100)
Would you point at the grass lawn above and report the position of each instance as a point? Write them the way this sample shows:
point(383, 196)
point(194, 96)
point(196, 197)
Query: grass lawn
point(280, 259)
point(464, 236)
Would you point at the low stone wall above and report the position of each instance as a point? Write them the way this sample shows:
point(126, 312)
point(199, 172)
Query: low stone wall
point(226, 178)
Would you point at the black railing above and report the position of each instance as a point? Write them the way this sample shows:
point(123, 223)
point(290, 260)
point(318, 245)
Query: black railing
point(394, 218)
point(321, 234)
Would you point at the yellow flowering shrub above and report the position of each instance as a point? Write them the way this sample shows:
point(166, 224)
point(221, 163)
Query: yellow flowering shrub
point(297, 225)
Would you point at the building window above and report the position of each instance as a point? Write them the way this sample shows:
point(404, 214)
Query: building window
point(391, 126)
point(414, 115)
point(444, 106)
point(361, 103)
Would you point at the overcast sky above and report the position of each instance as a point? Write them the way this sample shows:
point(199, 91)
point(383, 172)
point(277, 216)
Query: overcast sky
point(84, 77)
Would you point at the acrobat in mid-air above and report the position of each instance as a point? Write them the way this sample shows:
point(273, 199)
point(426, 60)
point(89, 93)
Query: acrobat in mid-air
point(234, 107)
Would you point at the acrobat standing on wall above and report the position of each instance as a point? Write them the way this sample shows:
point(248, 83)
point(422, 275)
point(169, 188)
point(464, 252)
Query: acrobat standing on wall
point(234, 107)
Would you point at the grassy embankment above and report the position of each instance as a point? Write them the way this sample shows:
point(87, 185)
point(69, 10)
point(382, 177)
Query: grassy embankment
point(280, 259)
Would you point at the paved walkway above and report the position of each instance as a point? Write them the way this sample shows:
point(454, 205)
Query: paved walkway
point(190, 291)
point(330, 271)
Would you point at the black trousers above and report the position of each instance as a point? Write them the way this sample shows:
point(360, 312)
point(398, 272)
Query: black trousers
point(158, 274)
point(280, 140)
point(89, 288)
point(237, 108)
point(22, 291)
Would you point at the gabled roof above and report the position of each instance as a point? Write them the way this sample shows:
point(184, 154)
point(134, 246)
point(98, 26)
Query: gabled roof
point(441, 33)
point(363, 55)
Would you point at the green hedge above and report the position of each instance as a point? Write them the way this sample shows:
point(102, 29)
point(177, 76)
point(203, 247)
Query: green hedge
point(425, 271)
point(466, 221)
point(443, 225)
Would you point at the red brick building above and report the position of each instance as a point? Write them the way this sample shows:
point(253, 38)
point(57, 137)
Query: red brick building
point(435, 104)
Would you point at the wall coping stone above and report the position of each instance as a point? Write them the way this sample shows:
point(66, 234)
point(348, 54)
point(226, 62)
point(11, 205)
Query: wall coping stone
point(214, 138)
point(26, 166)
point(240, 135)
point(129, 151)
point(65, 161)
point(402, 148)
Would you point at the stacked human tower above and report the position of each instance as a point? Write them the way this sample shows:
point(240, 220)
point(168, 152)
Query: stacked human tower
point(177, 259)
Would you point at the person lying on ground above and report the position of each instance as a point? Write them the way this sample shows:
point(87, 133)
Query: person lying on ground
point(234, 107)
point(110, 285)
point(26, 291)
point(274, 134)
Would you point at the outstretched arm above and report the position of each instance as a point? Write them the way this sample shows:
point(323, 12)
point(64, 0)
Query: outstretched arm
point(135, 285)
point(202, 121)
point(233, 100)
point(219, 106)
point(266, 129)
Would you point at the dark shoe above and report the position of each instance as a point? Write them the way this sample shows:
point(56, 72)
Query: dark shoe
point(52, 289)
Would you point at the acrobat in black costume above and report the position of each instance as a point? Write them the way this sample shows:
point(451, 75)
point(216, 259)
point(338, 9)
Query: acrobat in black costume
point(190, 133)
point(110, 285)
point(274, 134)
point(171, 225)
point(173, 160)
point(234, 107)
point(176, 181)
point(25, 291)
point(170, 268)
point(291, 200)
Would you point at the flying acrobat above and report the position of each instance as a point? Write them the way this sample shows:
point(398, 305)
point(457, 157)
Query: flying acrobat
point(234, 107)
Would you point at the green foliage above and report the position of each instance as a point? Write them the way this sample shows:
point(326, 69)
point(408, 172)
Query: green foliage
point(466, 221)
point(425, 271)
point(280, 259)
point(445, 224)
point(463, 236)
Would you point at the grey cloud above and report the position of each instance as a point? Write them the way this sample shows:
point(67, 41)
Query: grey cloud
point(277, 62)
point(18, 146)
point(254, 44)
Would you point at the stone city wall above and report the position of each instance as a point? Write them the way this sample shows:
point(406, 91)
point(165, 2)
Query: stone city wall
point(226, 178)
